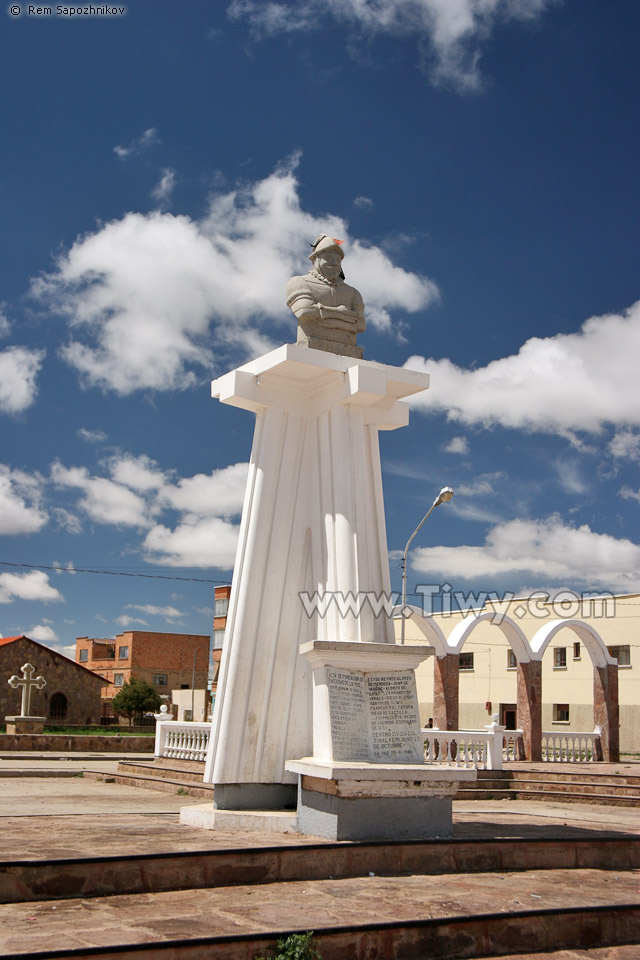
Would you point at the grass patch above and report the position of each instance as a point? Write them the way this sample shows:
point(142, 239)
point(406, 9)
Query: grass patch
point(92, 731)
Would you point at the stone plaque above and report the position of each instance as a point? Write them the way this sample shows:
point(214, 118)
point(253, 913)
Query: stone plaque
point(394, 719)
point(374, 716)
point(348, 713)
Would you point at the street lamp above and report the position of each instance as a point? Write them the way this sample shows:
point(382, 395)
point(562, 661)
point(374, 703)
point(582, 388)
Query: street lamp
point(443, 497)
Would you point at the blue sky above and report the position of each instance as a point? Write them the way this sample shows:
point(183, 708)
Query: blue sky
point(163, 173)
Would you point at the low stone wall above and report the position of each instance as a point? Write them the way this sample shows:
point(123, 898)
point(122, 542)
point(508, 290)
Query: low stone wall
point(62, 742)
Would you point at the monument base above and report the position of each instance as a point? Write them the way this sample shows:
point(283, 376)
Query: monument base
point(255, 796)
point(17, 725)
point(371, 801)
point(205, 817)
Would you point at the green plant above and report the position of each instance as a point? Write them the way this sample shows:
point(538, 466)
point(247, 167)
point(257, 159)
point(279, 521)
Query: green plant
point(135, 698)
point(181, 791)
point(297, 946)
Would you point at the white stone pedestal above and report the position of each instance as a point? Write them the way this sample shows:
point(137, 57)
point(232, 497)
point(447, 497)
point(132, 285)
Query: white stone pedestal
point(17, 725)
point(312, 522)
point(367, 778)
point(373, 801)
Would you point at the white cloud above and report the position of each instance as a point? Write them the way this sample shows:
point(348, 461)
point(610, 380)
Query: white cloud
point(103, 500)
point(146, 139)
point(27, 586)
point(20, 510)
point(219, 494)
point(625, 444)
point(560, 384)
point(18, 370)
point(164, 187)
point(364, 203)
point(457, 445)
point(150, 297)
point(91, 436)
point(449, 33)
point(628, 494)
point(5, 326)
point(140, 473)
point(43, 634)
point(126, 621)
point(65, 520)
point(169, 613)
point(482, 486)
point(546, 549)
point(569, 476)
point(195, 542)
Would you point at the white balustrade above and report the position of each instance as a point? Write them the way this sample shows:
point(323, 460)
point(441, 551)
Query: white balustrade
point(570, 747)
point(182, 740)
point(479, 749)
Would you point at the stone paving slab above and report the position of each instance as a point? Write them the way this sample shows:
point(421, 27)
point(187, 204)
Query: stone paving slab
point(318, 905)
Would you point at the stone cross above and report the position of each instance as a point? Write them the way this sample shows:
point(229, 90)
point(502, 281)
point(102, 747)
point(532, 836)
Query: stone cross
point(27, 681)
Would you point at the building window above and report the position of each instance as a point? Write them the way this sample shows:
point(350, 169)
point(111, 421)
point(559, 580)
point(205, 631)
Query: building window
point(160, 679)
point(84, 656)
point(577, 653)
point(218, 639)
point(118, 679)
point(221, 607)
point(123, 653)
point(621, 654)
point(512, 663)
point(561, 713)
point(560, 658)
point(466, 661)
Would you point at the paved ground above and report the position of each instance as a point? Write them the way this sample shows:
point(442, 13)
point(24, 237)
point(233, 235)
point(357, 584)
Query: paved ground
point(70, 816)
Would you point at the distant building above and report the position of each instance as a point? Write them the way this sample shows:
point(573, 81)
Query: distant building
point(220, 610)
point(72, 693)
point(166, 660)
point(485, 680)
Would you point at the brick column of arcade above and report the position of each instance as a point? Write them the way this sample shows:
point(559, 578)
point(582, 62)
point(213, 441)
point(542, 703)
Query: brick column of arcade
point(446, 672)
point(529, 716)
point(606, 710)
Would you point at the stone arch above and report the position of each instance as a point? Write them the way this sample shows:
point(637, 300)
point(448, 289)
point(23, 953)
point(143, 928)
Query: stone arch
point(512, 632)
point(58, 704)
point(587, 634)
point(606, 707)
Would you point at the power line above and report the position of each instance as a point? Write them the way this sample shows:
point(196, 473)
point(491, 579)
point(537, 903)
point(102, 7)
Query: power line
point(108, 573)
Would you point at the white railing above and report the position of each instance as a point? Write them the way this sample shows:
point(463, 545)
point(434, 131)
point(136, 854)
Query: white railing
point(475, 749)
point(571, 747)
point(182, 740)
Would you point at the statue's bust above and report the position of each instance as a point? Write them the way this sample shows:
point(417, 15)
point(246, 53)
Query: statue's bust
point(329, 312)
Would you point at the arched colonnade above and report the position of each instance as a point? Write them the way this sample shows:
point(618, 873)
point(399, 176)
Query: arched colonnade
point(528, 654)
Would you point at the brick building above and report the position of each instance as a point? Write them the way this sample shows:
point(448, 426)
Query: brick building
point(220, 610)
point(72, 693)
point(165, 660)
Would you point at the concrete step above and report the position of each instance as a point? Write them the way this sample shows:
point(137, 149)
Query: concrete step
point(27, 880)
point(373, 917)
point(167, 769)
point(570, 786)
point(151, 781)
point(517, 793)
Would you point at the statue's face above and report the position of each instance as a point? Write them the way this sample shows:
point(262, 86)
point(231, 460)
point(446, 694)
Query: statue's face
point(328, 263)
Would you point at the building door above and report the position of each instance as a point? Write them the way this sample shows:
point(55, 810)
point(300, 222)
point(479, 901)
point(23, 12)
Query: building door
point(508, 714)
point(58, 706)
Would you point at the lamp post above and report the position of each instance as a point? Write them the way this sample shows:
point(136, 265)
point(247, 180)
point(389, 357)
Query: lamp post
point(443, 497)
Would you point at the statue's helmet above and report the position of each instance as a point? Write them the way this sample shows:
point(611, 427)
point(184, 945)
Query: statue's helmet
point(324, 242)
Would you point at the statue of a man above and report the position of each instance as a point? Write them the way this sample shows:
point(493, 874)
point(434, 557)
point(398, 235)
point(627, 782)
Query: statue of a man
point(329, 312)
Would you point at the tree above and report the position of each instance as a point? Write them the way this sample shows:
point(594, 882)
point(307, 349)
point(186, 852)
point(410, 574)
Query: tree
point(135, 698)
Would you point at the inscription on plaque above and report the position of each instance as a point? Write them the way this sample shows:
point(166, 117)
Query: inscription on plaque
point(394, 723)
point(374, 716)
point(348, 712)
